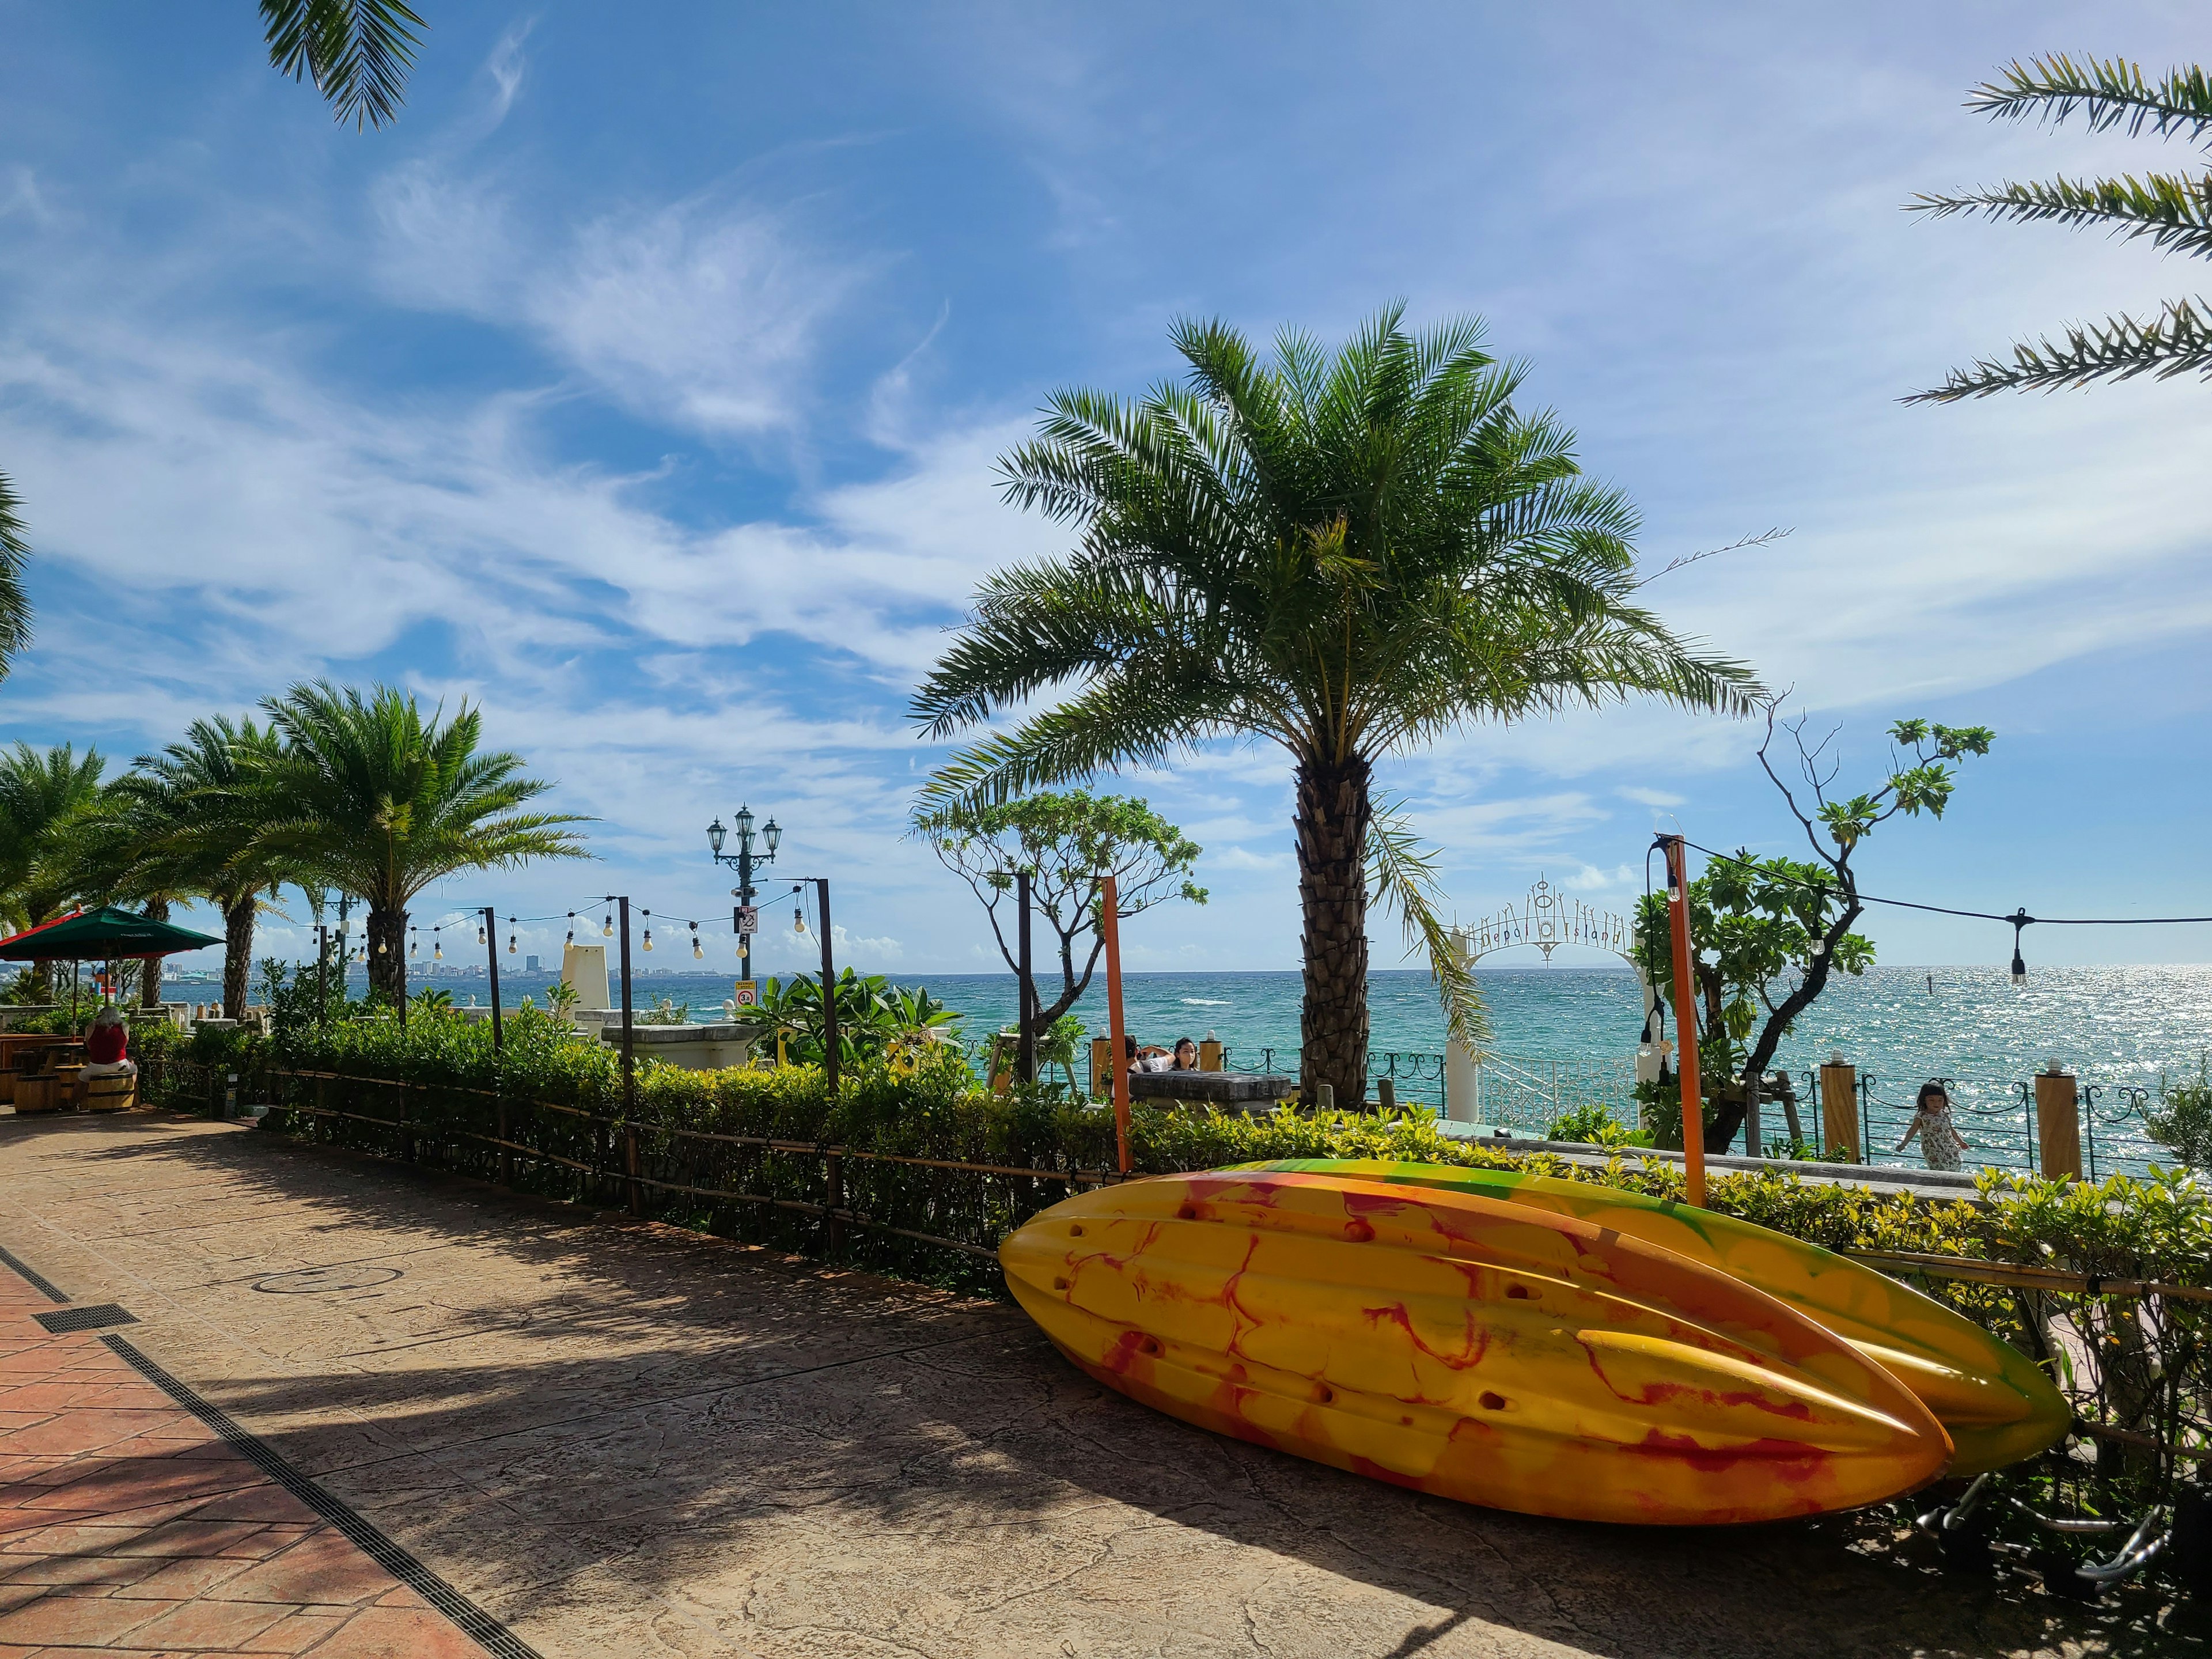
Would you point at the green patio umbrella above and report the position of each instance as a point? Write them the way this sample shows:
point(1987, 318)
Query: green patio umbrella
point(99, 935)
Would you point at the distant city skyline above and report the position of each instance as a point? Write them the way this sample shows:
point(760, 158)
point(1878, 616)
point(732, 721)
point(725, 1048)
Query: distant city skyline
point(644, 383)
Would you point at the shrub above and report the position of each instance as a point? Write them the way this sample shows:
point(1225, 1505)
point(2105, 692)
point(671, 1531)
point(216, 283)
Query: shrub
point(2183, 1120)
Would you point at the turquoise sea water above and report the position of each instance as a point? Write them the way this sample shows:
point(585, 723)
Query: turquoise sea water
point(2119, 1028)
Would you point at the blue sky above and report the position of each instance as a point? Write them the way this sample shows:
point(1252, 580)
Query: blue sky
point(644, 383)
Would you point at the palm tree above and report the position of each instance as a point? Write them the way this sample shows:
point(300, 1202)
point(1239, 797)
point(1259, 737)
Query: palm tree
point(1349, 556)
point(182, 825)
point(379, 803)
point(2175, 212)
point(356, 51)
point(42, 796)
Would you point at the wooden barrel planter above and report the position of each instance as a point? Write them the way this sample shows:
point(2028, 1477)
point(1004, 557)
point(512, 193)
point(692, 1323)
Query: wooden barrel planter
point(110, 1094)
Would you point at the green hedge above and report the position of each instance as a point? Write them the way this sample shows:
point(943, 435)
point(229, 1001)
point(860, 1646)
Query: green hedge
point(2149, 1374)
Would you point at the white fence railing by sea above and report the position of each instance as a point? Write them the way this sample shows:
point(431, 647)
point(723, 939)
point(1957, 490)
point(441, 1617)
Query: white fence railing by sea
point(1529, 1095)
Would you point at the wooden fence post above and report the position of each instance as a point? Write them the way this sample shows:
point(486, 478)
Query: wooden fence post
point(2058, 1121)
point(1839, 1111)
point(1101, 1068)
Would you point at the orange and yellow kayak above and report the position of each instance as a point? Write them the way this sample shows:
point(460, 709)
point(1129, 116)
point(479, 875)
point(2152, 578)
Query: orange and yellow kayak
point(1470, 1345)
point(1997, 1405)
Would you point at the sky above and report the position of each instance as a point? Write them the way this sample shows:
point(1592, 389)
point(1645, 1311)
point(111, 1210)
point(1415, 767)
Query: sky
point(643, 387)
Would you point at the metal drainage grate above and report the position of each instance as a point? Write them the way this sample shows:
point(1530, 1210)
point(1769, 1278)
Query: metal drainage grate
point(97, 1318)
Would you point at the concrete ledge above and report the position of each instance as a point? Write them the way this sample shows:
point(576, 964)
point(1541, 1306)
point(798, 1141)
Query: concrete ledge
point(696, 1047)
point(1211, 1088)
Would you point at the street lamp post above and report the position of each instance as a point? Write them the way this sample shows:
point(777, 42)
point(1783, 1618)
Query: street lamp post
point(744, 861)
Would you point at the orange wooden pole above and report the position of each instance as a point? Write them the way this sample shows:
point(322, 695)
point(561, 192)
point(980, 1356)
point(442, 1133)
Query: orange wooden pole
point(1109, 924)
point(1686, 1022)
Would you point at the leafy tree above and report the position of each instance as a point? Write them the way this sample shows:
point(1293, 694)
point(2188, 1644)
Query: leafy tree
point(1348, 555)
point(357, 52)
point(1069, 843)
point(2174, 210)
point(379, 802)
point(1754, 922)
point(42, 796)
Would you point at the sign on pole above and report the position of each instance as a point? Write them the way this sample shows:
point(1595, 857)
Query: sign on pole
point(748, 994)
point(748, 919)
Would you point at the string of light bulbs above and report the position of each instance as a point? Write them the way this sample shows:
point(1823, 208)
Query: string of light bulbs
point(2018, 920)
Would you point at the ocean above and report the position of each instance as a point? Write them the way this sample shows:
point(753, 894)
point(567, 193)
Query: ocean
point(2120, 1029)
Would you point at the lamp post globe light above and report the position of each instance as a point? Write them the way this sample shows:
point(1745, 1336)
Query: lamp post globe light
point(744, 862)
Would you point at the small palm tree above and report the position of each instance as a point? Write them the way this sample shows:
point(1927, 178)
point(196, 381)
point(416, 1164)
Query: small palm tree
point(1348, 555)
point(379, 802)
point(43, 794)
point(181, 824)
point(2175, 212)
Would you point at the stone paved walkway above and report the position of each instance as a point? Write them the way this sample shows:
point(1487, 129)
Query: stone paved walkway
point(128, 1527)
point(622, 1440)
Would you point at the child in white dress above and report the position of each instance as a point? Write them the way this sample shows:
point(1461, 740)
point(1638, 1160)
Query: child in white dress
point(1941, 1143)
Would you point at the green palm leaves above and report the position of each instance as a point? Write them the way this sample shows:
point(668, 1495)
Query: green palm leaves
point(357, 52)
point(378, 801)
point(2174, 211)
point(15, 603)
point(1350, 554)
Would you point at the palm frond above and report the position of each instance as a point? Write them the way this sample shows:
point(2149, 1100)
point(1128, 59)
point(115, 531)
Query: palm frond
point(357, 52)
point(1402, 872)
point(2108, 91)
point(2176, 342)
point(15, 602)
point(2172, 211)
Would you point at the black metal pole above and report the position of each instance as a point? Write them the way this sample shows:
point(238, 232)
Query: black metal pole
point(745, 897)
point(491, 934)
point(828, 993)
point(1025, 1049)
point(629, 1064)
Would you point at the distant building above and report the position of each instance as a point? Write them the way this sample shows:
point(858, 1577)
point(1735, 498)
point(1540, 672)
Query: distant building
point(530, 964)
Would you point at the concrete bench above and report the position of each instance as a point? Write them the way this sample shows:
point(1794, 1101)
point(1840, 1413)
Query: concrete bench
point(1241, 1088)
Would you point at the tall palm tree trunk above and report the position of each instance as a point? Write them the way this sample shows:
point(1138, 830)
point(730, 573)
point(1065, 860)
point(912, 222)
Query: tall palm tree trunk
point(1333, 810)
point(388, 954)
point(237, 953)
point(149, 967)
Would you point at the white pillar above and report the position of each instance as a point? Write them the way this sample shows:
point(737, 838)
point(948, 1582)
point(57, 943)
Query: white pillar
point(1462, 1077)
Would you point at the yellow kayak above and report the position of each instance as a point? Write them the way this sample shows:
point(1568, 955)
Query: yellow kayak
point(1997, 1404)
point(1468, 1346)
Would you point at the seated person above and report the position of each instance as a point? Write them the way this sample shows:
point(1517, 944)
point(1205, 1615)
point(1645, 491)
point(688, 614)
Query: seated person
point(106, 1050)
point(1146, 1060)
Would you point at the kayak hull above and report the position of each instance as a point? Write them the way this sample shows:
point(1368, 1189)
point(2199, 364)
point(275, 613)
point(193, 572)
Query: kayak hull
point(1996, 1403)
point(1468, 1346)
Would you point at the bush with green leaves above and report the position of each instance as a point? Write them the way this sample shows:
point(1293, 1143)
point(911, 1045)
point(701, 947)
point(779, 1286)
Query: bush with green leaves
point(2183, 1118)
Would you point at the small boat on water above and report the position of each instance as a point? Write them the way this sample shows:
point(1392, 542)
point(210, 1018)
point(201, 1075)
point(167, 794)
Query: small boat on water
point(1471, 1343)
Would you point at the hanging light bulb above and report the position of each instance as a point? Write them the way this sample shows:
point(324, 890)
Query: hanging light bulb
point(2019, 919)
point(571, 940)
point(649, 938)
point(607, 926)
point(480, 934)
point(797, 919)
point(698, 953)
point(383, 948)
point(437, 949)
point(647, 914)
